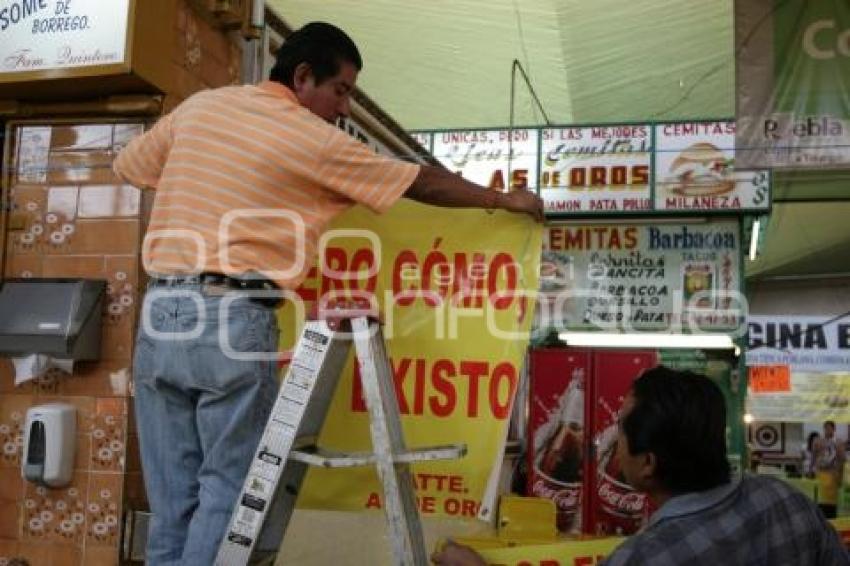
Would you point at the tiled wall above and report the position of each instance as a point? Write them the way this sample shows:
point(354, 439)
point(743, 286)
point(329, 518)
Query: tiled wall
point(202, 56)
point(73, 218)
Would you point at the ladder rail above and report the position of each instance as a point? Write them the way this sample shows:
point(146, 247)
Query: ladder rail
point(319, 352)
point(399, 503)
point(265, 505)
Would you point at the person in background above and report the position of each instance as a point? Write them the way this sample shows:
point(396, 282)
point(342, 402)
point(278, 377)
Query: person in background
point(829, 464)
point(246, 180)
point(809, 455)
point(672, 445)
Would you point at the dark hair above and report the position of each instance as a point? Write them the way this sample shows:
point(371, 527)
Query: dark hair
point(322, 46)
point(680, 417)
point(811, 440)
point(830, 423)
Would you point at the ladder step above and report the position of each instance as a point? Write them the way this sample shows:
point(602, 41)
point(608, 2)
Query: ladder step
point(314, 456)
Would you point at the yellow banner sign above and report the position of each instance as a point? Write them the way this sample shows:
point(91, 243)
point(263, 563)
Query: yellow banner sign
point(567, 553)
point(454, 288)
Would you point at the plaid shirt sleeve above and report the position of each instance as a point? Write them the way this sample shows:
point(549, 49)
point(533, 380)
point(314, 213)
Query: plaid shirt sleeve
point(765, 522)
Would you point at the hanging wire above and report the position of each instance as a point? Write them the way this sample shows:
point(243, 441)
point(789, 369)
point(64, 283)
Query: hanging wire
point(514, 66)
point(521, 33)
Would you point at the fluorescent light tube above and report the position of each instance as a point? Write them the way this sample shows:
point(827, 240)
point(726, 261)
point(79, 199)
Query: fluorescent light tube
point(754, 239)
point(647, 340)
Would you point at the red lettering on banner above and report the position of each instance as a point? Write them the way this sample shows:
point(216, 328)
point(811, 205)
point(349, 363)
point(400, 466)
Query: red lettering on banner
point(461, 507)
point(436, 280)
point(439, 384)
point(469, 280)
point(419, 396)
point(404, 294)
point(305, 292)
point(474, 371)
point(426, 504)
point(340, 278)
point(335, 261)
point(442, 370)
point(502, 371)
point(374, 501)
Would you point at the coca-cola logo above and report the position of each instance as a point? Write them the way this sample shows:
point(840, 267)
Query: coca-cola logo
point(567, 499)
point(622, 500)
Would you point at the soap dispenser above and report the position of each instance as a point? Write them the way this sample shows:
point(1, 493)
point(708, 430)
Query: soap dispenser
point(49, 444)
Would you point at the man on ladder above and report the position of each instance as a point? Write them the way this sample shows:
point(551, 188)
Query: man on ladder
point(246, 179)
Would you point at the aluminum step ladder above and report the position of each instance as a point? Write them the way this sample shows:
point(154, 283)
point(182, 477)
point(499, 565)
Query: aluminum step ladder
point(288, 445)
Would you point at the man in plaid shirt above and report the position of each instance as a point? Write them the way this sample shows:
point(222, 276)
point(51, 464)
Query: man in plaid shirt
point(672, 445)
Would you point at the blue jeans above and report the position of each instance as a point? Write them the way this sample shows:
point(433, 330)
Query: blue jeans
point(200, 411)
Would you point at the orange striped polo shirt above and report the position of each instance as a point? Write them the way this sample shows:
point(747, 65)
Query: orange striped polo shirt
point(247, 179)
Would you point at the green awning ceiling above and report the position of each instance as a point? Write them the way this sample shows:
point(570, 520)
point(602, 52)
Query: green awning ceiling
point(447, 63)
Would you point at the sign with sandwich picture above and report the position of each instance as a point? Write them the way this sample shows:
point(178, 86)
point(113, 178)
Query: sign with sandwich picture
point(695, 170)
point(627, 169)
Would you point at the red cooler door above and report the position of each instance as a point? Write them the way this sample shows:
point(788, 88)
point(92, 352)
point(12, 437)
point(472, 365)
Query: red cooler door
point(556, 430)
point(611, 507)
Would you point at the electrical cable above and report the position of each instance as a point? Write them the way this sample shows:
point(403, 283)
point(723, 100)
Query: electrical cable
point(514, 66)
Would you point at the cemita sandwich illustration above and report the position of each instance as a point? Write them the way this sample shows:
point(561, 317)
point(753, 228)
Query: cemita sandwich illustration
point(700, 170)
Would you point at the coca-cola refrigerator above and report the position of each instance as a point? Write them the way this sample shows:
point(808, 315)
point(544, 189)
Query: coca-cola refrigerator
point(557, 442)
point(611, 506)
point(575, 400)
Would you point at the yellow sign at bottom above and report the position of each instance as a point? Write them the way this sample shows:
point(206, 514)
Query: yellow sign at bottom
point(567, 553)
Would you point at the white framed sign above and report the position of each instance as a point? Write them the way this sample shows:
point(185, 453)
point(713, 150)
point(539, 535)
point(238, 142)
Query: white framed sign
point(497, 159)
point(646, 168)
point(695, 170)
point(805, 343)
point(596, 169)
point(47, 35)
point(636, 277)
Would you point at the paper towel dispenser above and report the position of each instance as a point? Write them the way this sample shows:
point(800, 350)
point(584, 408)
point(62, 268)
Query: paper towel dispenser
point(57, 317)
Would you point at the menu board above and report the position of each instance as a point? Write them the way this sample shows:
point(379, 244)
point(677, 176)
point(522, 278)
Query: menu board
point(498, 159)
point(640, 169)
point(596, 168)
point(661, 277)
point(695, 170)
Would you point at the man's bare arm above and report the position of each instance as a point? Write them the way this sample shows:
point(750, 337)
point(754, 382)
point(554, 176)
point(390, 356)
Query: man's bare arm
point(440, 187)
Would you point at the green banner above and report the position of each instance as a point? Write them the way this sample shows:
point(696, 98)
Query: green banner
point(793, 83)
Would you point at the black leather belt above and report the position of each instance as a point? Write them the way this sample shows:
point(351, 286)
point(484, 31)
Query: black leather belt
point(226, 281)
